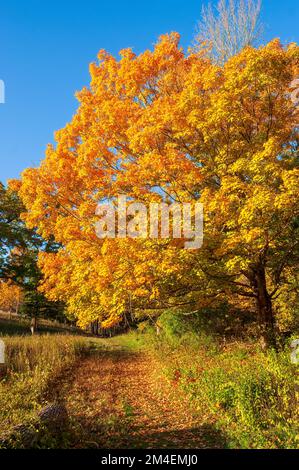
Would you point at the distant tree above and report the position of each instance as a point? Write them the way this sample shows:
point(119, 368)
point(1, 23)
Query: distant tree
point(228, 28)
point(10, 296)
point(19, 248)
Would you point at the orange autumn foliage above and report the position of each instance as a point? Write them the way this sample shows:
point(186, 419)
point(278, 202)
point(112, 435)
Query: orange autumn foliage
point(10, 296)
point(169, 126)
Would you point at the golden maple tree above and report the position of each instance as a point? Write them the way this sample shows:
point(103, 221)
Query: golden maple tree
point(10, 296)
point(174, 127)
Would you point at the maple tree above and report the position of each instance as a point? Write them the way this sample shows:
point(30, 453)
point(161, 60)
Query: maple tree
point(166, 126)
point(10, 296)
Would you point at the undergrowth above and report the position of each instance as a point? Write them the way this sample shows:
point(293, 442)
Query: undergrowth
point(252, 395)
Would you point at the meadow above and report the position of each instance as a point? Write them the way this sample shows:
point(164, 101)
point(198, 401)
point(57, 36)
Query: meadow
point(33, 366)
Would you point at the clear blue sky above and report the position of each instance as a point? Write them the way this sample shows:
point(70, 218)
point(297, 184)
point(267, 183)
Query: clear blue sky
point(46, 47)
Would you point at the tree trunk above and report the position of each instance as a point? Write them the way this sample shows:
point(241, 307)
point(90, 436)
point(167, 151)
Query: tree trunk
point(17, 307)
point(264, 308)
point(33, 325)
point(96, 327)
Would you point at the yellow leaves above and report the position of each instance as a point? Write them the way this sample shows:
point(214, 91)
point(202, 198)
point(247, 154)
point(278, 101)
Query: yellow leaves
point(253, 235)
point(257, 209)
point(15, 185)
point(288, 198)
point(166, 125)
point(291, 181)
point(127, 54)
point(286, 306)
point(10, 296)
point(154, 294)
point(237, 264)
point(141, 292)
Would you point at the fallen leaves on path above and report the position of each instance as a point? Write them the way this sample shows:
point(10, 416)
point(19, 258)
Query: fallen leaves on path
point(119, 399)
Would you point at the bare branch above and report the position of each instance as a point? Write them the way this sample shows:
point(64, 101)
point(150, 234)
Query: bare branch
point(228, 28)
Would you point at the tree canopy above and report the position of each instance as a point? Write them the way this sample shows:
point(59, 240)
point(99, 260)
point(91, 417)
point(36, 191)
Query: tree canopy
point(174, 127)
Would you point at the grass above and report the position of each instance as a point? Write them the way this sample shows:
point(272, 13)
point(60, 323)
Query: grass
point(36, 366)
point(33, 364)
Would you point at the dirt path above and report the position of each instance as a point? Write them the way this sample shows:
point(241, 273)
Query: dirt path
point(119, 399)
